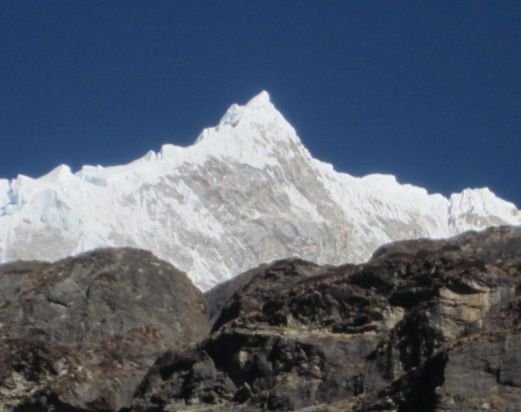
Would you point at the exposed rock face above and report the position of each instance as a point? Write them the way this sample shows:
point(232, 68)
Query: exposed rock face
point(80, 334)
point(424, 325)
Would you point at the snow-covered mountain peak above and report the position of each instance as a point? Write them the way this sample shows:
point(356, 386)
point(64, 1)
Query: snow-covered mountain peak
point(258, 109)
point(247, 191)
point(253, 133)
point(59, 173)
point(260, 101)
point(481, 207)
point(479, 201)
point(258, 112)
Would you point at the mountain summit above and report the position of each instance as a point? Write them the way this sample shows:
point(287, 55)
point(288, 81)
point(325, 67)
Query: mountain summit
point(247, 191)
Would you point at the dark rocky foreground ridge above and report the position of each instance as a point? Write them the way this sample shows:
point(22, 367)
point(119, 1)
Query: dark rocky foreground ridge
point(79, 334)
point(423, 326)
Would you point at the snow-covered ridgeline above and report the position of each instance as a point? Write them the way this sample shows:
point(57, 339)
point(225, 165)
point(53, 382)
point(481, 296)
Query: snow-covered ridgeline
point(246, 191)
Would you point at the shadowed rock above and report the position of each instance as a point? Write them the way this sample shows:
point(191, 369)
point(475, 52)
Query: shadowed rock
point(79, 334)
point(424, 325)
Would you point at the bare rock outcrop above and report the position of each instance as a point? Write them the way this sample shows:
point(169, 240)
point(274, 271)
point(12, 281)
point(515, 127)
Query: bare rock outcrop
point(79, 334)
point(424, 325)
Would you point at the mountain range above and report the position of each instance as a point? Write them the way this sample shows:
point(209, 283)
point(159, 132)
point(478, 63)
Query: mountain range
point(246, 192)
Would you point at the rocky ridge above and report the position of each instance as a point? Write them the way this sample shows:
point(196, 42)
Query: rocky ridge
point(424, 324)
point(79, 334)
point(431, 325)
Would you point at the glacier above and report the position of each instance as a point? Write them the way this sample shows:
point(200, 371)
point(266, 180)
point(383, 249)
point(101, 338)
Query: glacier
point(246, 192)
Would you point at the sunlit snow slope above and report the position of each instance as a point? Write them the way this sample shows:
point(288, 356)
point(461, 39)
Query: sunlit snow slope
point(247, 191)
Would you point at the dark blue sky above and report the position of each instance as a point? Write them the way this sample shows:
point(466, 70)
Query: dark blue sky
point(427, 90)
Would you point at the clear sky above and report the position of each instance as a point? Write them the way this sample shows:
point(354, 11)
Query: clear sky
point(427, 90)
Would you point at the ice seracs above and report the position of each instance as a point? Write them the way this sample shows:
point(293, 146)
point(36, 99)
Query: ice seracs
point(247, 191)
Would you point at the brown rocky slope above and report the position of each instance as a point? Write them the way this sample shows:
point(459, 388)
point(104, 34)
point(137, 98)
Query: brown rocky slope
point(79, 334)
point(423, 326)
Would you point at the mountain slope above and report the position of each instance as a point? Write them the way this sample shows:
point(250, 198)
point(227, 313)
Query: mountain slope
point(247, 191)
point(80, 333)
point(425, 325)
